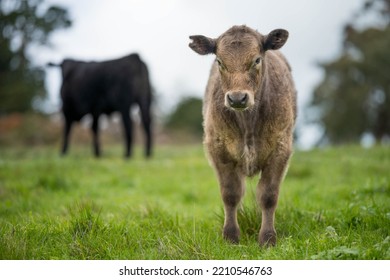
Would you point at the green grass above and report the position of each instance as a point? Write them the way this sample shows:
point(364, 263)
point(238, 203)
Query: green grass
point(334, 204)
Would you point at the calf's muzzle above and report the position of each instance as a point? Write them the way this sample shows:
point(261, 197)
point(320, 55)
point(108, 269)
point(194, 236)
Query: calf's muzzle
point(237, 100)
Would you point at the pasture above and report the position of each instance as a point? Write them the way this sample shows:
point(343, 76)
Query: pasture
point(334, 204)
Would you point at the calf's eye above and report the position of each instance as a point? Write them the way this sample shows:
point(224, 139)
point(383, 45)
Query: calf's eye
point(256, 62)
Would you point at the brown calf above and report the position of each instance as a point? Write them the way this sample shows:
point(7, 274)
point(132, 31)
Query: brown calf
point(249, 114)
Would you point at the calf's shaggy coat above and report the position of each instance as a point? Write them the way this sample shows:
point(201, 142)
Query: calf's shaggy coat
point(249, 113)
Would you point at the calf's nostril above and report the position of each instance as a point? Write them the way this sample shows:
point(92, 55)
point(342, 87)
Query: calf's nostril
point(230, 99)
point(244, 98)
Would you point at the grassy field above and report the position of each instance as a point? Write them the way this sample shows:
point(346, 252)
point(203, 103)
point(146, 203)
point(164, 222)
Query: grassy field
point(334, 204)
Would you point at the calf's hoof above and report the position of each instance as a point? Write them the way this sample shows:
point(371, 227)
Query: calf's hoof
point(231, 234)
point(267, 238)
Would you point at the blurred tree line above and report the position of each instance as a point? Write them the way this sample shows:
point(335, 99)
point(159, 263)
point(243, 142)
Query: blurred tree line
point(352, 100)
point(354, 97)
point(24, 24)
point(187, 117)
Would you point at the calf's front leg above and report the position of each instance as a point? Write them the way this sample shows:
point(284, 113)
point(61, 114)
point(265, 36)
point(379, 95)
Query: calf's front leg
point(232, 190)
point(267, 196)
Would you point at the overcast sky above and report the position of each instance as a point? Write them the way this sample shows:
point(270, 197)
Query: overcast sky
point(158, 30)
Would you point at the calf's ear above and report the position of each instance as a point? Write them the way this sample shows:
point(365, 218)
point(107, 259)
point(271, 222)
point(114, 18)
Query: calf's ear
point(275, 39)
point(202, 45)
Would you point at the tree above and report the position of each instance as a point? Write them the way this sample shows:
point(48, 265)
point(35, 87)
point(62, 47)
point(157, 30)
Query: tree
point(187, 117)
point(354, 97)
point(23, 24)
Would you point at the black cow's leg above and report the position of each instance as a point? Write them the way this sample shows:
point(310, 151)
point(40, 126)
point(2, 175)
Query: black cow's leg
point(146, 122)
point(95, 132)
point(67, 128)
point(128, 132)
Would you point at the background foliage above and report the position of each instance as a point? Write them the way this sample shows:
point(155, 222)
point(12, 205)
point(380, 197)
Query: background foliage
point(24, 24)
point(186, 118)
point(354, 97)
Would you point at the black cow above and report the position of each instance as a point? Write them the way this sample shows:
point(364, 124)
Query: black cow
point(104, 87)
